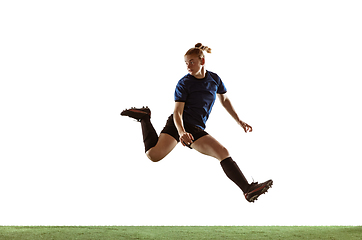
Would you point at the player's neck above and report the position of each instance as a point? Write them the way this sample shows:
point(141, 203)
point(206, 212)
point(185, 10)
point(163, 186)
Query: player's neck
point(201, 74)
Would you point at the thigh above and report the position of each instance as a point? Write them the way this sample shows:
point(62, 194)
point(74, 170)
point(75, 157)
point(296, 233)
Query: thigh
point(171, 129)
point(210, 146)
point(166, 143)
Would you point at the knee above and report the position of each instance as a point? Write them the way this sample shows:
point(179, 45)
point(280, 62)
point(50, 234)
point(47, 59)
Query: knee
point(223, 153)
point(154, 156)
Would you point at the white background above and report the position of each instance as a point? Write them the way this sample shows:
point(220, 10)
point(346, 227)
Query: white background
point(68, 68)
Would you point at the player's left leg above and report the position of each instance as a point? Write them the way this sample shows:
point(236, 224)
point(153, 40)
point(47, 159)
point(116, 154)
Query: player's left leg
point(211, 147)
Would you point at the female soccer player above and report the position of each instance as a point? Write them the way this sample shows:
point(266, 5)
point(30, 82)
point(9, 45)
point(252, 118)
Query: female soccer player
point(195, 95)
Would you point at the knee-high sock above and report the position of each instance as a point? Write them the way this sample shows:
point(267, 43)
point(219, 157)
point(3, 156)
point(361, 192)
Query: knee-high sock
point(150, 136)
point(232, 170)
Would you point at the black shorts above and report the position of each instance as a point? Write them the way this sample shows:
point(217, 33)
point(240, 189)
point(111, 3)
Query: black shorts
point(171, 129)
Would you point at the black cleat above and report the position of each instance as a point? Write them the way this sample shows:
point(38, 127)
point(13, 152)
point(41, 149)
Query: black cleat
point(256, 189)
point(137, 113)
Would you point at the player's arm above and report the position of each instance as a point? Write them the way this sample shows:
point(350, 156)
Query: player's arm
point(226, 103)
point(185, 138)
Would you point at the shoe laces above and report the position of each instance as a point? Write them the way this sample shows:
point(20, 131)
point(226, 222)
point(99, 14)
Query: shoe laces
point(253, 183)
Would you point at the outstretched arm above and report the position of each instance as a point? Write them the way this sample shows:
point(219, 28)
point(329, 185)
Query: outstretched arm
point(226, 103)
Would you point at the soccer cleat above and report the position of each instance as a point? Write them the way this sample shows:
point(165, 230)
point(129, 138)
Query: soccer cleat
point(256, 189)
point(137, 113)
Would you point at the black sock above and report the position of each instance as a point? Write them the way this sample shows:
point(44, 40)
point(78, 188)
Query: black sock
point(150, 136)
point(233, 172)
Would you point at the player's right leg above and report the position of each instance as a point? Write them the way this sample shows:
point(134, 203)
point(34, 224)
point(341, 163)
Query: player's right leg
point(156, 148)
point(143, 115)
point(164, 146)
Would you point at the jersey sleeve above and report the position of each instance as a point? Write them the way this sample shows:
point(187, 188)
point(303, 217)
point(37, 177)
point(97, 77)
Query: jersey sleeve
point(180, 92)
point(221, 89)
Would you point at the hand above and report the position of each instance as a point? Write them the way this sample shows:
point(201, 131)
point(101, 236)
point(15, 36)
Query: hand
point(186, 139)
point(245, 126)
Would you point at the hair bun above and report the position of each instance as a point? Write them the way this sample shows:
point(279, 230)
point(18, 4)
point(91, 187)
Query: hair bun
point(203, 48)
point(198, 45)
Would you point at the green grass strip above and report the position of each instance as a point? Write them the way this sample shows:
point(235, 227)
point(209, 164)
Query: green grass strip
point(179, 232)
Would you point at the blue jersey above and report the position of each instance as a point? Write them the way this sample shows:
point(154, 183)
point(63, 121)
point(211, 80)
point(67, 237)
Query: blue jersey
point(199, 96)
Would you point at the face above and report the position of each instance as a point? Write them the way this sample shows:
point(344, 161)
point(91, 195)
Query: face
point(194, 64)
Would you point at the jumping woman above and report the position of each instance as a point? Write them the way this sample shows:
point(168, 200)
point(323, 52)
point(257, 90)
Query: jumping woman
point(195, 95)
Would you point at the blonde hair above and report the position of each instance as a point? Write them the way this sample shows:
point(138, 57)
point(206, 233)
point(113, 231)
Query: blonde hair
point(198, 50)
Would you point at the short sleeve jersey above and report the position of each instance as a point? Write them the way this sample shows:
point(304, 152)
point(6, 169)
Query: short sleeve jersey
point(199, 96)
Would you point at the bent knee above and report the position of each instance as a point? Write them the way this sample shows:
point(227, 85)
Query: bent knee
point(154, 156)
